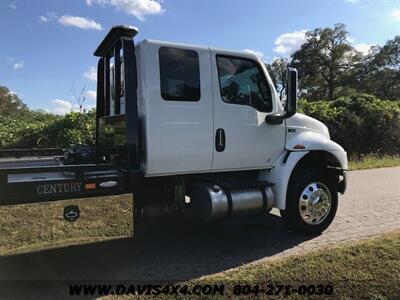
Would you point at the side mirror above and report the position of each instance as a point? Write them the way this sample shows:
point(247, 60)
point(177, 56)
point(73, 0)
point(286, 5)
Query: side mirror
point(274, 119)
point(291, 92)
point(291, 99)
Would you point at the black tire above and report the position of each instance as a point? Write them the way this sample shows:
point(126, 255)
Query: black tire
point(297, 185)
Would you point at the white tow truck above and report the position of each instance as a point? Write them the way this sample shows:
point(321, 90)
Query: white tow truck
point(190, 129)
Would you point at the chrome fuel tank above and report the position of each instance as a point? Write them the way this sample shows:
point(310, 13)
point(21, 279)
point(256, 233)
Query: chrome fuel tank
point(212, 202)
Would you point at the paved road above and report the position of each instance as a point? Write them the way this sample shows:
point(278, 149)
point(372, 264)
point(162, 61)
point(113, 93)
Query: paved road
point(370, 206)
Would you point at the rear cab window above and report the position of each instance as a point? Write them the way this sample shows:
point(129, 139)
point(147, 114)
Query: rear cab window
point(179, 74)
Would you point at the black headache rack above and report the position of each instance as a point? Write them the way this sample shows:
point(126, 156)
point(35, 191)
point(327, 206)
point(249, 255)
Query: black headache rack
point(118, 127)
point(40, 175)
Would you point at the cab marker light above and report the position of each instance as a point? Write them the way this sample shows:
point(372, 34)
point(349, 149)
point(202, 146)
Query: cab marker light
point(299, 147)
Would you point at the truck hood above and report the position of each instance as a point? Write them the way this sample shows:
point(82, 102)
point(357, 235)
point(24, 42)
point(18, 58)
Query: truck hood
point(305, 123)
point(310, 134)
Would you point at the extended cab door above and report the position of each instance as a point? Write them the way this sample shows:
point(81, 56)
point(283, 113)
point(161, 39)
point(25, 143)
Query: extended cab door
point(243, 96)
point(177, 108)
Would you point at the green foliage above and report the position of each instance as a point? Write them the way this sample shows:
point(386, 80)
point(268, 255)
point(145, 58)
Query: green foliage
point(325, 62)
point(373, 161)
point(77, 128)
point(381, 71)
point(277, 71)
point(361, 123)
point(26, 129)
point(10, 104)
point(42, 130)
point(329, 67)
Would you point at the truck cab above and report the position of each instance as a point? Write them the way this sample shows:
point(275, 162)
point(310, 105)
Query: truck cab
point(213, 103)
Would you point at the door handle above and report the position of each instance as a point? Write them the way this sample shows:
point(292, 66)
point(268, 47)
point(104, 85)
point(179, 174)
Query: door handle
point(220, 140)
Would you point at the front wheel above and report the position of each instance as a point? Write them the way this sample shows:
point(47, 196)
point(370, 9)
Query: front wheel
point(311, 202)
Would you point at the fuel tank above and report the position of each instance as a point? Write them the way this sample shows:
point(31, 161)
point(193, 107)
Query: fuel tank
point(211, 202)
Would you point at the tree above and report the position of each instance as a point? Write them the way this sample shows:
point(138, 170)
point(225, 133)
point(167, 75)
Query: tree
point(381, 71)
point(324, 62)
point(389, 55)
point(277, 71)
point(10, 104)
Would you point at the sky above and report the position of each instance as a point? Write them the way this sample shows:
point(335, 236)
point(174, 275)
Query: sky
point(46, 46)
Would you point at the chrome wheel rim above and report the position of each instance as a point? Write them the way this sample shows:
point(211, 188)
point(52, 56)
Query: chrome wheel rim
point(315, 203)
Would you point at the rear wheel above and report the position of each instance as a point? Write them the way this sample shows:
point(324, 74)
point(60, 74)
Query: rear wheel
point(311, 202)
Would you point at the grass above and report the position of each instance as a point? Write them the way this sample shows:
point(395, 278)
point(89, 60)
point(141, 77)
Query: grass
point(369, 269)
point(372, 161)
point(364, 270)
point(31, 227)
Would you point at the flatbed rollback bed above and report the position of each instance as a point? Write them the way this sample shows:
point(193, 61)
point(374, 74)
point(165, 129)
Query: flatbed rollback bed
point(46, 178)
point(42, 175)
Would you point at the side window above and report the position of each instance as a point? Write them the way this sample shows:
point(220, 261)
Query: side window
point(243, 82)
point(112, 87)
point(179, 74)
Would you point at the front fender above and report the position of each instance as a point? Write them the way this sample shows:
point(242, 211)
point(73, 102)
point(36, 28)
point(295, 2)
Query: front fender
point(306, 140)
point(286, 163)
point(280, 175)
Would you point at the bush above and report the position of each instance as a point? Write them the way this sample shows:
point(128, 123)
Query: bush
point(76, 128)
point(360, 123)
point(43, 130)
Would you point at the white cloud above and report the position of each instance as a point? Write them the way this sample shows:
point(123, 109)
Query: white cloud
point(350, 39)
point(67, 20)
point(364, 48)
point(50, 16)
point(13, 6)
point(80, 22)
point(89, 106)
point(44, 19)
point(352, 1)
point(61, 107)
point(91, 95)
point(12, 93)
point(15, 63)
point(137, 8)
point(289, 42)
point(275, 58)
point(18, 66)
point(256, 52)
point(395, 14)
point(91, 74)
